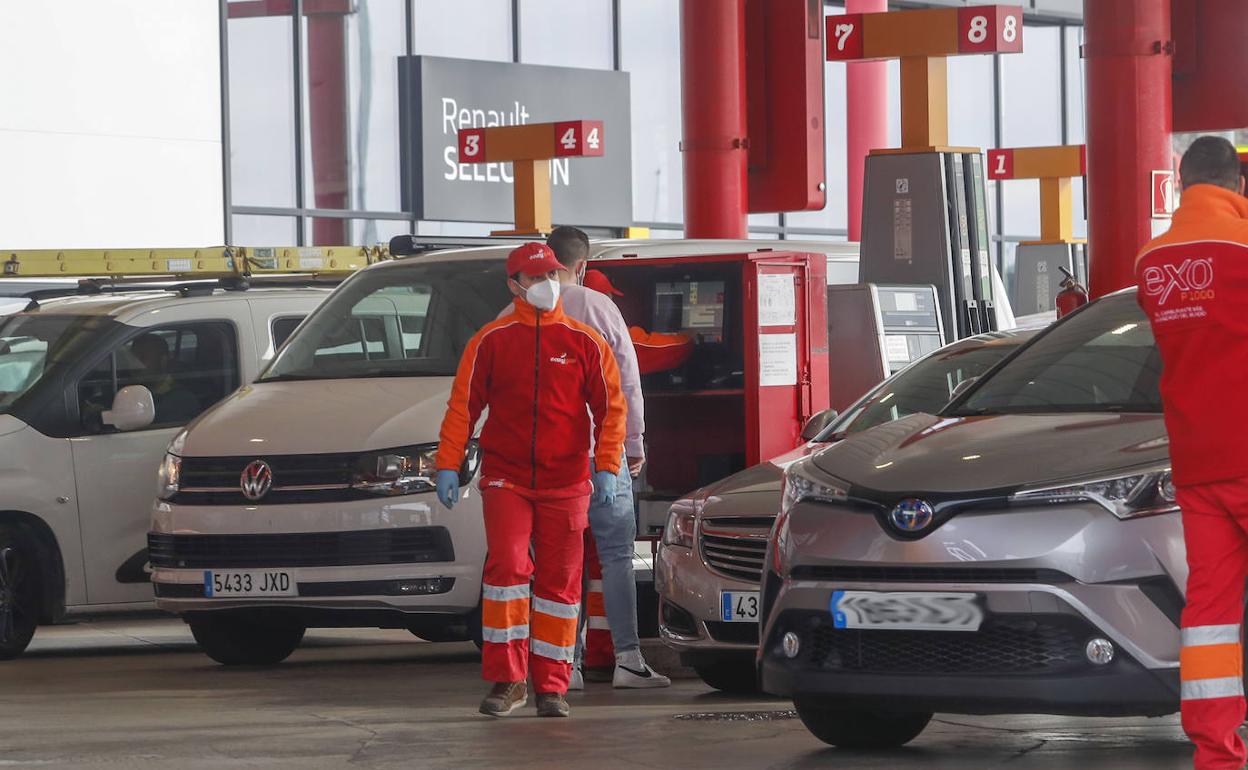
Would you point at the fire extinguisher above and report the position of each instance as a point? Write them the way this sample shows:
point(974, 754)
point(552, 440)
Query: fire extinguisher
point(1072, 296)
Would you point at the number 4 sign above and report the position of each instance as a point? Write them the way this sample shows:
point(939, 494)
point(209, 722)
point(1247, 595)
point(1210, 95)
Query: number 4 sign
point(579, 137)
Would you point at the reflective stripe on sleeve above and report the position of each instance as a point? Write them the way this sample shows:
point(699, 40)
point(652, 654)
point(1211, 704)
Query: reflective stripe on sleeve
point(504, 635)
point(1196, 636)
point(1211, 661)
point(503, 593)
point(552, 651)
point(1203, 689)
point(555, 609)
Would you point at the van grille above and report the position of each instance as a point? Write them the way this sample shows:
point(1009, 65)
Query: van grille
point(734, 547)
point(296, 479)
point(409, 545)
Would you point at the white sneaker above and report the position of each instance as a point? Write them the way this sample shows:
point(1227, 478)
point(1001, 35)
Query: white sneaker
point(633, 673)
point(576, 681)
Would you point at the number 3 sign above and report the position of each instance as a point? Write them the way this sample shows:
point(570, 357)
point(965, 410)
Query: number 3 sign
point(990, 29)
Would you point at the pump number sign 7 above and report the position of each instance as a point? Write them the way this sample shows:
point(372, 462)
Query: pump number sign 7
point(579, 138)
point(844, 35)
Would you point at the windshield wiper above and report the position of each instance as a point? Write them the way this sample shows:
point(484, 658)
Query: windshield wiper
point(299, 377)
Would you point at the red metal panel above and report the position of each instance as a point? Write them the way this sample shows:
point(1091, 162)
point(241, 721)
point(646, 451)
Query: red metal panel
point(866, 108)
point(327, 114)
point(712, 77)
point(785, 65)
point(1129, 86)
point(1210, 59)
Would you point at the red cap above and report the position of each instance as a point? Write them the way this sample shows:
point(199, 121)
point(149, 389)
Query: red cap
point(598, 281)
point(532, 259)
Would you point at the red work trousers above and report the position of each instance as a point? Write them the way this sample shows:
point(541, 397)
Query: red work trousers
point(1215, 528)
point(530, 603)
point(599, 649)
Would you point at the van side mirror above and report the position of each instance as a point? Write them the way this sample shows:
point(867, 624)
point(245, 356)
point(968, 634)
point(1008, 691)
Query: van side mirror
point(133, 408)
point(962, 387)
point(815, 425)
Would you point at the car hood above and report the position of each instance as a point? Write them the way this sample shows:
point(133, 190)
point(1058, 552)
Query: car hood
point(924, 453)
point(321, 416)
point(754, 491)
point(10, 424)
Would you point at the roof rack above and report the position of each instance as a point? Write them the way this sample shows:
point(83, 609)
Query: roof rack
point(243, 263)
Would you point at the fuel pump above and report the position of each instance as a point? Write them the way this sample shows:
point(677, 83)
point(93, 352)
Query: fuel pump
point(1041, 264)
point(924, 209)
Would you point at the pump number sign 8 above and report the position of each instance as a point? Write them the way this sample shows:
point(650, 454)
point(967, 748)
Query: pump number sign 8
point(990, 29)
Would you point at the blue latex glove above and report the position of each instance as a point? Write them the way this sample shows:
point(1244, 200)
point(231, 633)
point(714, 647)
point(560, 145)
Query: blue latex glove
point(447, 483)
point(604, 488)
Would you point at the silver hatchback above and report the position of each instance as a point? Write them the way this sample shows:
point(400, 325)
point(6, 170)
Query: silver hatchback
point(711, 557)
point(1020, 552)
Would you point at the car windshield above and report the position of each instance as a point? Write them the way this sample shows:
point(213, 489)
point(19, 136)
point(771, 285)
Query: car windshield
point(1102, 359)
point(31, 344)
point(409, 321)
point(924, 387)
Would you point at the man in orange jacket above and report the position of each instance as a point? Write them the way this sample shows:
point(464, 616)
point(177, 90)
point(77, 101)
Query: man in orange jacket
point(536, 370)
point(1193, 284)
point(656, 352)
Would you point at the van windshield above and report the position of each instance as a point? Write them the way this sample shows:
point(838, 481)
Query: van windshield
point(32, 344)
point(1102, 359)
point(410, 321)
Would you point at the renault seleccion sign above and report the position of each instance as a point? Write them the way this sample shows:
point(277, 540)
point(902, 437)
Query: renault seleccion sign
point(439, 96)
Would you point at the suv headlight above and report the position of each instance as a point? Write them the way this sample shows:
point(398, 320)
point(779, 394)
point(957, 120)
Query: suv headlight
point(169, 477)
point(682, 520)
point(1127, 497)
point(408, 470)
point(800, 484)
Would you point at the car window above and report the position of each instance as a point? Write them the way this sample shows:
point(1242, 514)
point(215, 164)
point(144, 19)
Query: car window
point(1102, 359)
point(187, 368)
point(282, 328)
point(925, 386)
point(412, 321)
point(31, 345)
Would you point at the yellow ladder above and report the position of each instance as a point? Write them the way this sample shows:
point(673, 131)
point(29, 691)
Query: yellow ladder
point(211, 262)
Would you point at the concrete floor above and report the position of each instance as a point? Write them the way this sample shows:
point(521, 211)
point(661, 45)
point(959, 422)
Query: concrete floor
point(137, 694)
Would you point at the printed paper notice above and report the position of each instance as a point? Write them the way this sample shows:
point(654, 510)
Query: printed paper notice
point(777, 300)
point(896, 348)
point(777, 359)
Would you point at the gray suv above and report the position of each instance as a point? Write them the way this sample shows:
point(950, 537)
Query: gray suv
point(1020, 552)
point(711, 557)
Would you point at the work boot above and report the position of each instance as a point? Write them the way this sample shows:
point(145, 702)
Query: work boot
point(576, 681)
point(504, 698)
point(633, 673)
point(552, 704)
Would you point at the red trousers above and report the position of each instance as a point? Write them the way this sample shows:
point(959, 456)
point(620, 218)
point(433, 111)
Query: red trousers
point(1215, 528)
point(599, 649)
point(529, 604)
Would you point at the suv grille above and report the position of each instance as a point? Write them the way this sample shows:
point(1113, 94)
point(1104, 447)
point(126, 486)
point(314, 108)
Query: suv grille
point(296, 479)
point(735, 547)
point(1043, 644)
point(410, 545)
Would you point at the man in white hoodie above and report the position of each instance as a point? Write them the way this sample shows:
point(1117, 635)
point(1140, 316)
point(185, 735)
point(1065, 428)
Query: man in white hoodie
point(614, 525)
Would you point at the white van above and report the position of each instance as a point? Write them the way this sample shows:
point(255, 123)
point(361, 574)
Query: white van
point(306, 498)
point(92, 388)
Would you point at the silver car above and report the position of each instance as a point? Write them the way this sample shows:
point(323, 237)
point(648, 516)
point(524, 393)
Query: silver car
point(709, 588)
point(1021, 552)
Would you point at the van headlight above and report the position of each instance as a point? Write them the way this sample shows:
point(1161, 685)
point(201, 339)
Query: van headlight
point(169, 477)
point(1147, 493)
point(800, 484)
point(682, 520)
point(407, 470)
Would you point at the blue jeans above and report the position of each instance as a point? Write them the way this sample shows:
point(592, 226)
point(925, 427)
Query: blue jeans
point(615, 530)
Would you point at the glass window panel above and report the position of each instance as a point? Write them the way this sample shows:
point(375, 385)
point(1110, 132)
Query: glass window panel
point(327, 231)
point(972, 109)
point(1075, 80)
point(765, 220)
point(458, 229)
point(351, 125)
point(650, 52)
point(1030, 117)
point(262, 113)
point(463, 29)
point(368, 232)
point(249, 230)
point(568, 33)
point(894, 103)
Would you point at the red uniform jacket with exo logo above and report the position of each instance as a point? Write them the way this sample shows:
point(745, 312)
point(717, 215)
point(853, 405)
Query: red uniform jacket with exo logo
point(1193, 284)
point(537, 372)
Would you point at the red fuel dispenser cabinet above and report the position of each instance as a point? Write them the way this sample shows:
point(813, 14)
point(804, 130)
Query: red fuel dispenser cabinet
point(759, 365)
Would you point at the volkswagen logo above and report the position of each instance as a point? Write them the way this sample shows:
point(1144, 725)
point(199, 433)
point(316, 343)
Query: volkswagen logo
point(912, 515)
point(257, 480)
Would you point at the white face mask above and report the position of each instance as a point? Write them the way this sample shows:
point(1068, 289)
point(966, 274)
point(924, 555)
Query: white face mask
point(543, 295)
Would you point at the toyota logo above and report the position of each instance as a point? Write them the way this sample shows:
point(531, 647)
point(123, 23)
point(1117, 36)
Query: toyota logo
point(257, 480)
point(912, 515)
